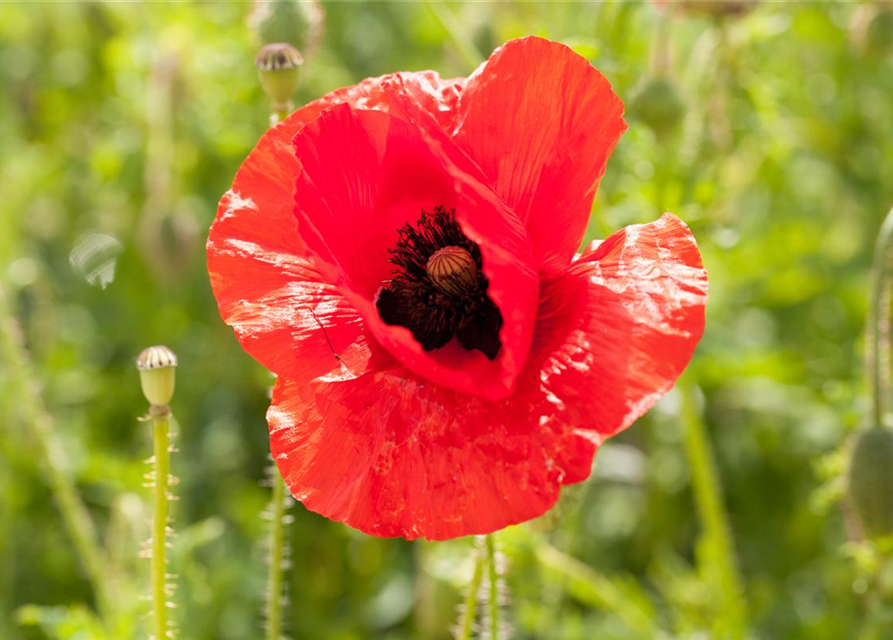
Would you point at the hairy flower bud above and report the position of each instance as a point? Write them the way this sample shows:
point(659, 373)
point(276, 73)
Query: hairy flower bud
point(870, 481)
point(297, 22)
point(279, 69)
point(716, 8)
point(156, 366)
point(871, 29)
point(659, 104)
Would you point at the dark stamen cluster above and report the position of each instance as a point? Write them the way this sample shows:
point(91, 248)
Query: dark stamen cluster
point(434, 312)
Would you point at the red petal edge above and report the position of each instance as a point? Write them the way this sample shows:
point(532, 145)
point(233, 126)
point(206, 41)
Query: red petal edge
point(391, 455)
point(616, 331)
point(541, 122)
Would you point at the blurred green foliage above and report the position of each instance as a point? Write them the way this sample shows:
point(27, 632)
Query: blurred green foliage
point(121, 124)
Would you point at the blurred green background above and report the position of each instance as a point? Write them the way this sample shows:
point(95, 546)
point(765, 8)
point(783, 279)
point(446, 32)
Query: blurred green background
point(769, 132)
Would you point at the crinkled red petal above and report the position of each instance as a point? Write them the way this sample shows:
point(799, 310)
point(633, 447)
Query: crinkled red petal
point(541, 122)
point(616, 331)
point(366, 174)
point(391, 455)
point(265, 286)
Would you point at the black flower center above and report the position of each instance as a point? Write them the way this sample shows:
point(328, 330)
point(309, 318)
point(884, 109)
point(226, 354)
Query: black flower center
point(439, 289)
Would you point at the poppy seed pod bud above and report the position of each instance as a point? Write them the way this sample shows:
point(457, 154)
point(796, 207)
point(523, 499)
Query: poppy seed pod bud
point(660, 105)
point(279, 69)
point(156, 366)
point(297, 22)
point(452, 270)
point(871, 29)
point(870, 481)
point(717, 8)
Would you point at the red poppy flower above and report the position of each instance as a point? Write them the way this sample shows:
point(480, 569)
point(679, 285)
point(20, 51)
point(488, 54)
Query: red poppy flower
point(401, 253)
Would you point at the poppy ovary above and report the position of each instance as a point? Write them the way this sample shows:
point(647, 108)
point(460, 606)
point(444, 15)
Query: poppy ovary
point(157, 366)
point(279, 70)
point(438, 290)
point(452, 270)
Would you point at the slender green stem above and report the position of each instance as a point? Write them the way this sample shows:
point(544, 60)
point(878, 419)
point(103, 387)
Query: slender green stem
point(278, 505)
point(457, 33)
point(279, 115)
point(425, 616)
point(277, 558)
point(660, 48)
point(493, 575)
point(719, 560)
point(161, 468)
point(877, 329)
point(873, 601)
point(471, 597)
point(54, 461)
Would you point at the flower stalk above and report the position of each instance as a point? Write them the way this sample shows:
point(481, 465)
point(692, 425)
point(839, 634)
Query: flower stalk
point(156, 366)
point(277, 559)
point(469, 608)
point(717, 552)
point(458, 34)
point(870, 474)
point(877, 343)
point(54, 461)
point(493, 575)
point(161, 473)
point(597, 590)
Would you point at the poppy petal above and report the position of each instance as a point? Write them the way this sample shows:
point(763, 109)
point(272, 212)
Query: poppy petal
point(616, 331)
point(366, 174)
point(266, 289)
point(391, 455)
point(541, 122)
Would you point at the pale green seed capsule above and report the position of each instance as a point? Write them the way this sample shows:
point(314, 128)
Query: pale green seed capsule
point(157, 366)
point(279, 69)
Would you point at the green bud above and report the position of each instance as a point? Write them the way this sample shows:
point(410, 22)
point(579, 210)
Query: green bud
point(157, 366)
point(279, 69)
point(870, 481)
point(879, 33)
point(296, 22)
point(716, 8)
point(659, 104)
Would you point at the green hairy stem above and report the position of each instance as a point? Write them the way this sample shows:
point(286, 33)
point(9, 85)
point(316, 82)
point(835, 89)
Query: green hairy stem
point(161, 485)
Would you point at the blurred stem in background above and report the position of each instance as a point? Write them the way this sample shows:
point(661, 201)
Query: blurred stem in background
point(493, 576)
point(469, 607)
point(596, 590)
point(458, 34)
point(716, 552)
point(485, 555)
point(877, 339)
point(870, 473)
point(54, 461)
